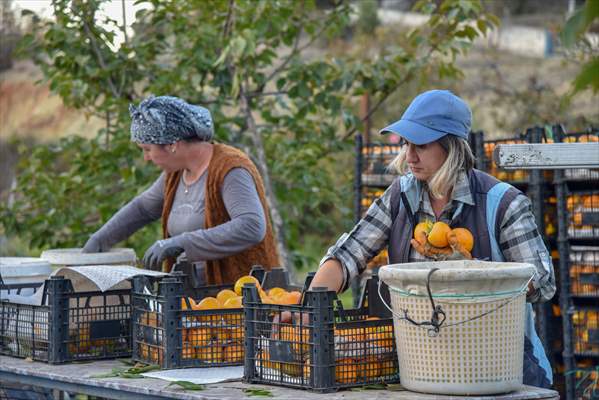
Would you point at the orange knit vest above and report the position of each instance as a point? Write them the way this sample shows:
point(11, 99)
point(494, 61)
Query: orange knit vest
point(229, 269)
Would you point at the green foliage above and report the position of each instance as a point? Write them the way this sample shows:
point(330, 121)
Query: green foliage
point(573, 35)
point(246, 62)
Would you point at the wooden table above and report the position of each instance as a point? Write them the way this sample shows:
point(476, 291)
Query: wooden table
point(75, 378)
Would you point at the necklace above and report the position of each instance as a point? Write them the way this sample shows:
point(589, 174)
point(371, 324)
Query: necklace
point(185, 185)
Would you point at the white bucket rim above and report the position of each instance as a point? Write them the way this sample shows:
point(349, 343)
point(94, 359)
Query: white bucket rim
point(455, 279)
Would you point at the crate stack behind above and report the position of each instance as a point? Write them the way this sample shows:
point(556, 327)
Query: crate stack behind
point(566, 208)
point(577, 193)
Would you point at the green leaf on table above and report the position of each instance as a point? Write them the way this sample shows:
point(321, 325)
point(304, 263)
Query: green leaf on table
point(188, 385)
point(113, 374)
point(258, 392)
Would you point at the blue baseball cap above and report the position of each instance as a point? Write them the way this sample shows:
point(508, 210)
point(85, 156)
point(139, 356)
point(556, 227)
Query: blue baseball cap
point(432, 115)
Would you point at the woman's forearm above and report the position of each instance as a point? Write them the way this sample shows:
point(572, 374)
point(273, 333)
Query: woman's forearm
point(329, 275)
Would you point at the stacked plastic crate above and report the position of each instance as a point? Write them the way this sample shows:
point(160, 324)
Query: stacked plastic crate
point(578, 242)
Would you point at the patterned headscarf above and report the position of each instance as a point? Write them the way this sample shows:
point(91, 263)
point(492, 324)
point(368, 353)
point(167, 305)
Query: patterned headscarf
point(167, 119)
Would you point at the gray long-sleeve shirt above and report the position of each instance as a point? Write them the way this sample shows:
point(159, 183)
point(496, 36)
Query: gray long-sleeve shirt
point(246, 228)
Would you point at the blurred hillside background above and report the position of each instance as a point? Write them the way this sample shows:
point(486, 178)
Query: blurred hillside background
point(518, 75)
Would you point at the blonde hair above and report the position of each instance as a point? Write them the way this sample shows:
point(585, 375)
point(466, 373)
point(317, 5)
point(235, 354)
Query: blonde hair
point(459, 157)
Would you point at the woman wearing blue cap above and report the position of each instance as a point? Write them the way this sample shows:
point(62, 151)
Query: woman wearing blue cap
point(210, 197)
point(437, 182)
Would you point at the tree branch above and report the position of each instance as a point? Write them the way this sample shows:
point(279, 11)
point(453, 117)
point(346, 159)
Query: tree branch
point(96, 49)
point(258, 144)
point(379, 103)
point(265, 94)
point(228, 21)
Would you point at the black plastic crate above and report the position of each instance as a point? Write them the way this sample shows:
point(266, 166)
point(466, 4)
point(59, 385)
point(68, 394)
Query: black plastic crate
point(378, 156)
point(318, 345)
point(585, 321)
point(587, 383)
point(583, 209)
point(68, 326)
point(369, 195)
point(168, 330)
point(582, 174)
point(584, 271)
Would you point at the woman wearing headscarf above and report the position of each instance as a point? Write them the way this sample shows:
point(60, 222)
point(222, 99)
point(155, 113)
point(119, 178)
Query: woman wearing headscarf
point(210, 197)
point(437, 182)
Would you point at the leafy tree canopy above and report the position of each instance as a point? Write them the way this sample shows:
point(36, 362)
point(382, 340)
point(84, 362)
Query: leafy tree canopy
point(253, 64)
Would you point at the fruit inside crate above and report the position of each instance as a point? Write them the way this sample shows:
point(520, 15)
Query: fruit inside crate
point(98, 324)
point(584, 271)
point(206, 329)
point(583, 208)
point(586, 331)
point(319, 345)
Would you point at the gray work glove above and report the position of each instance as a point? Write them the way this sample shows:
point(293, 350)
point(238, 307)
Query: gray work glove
point(160, 251)
point(95, 245)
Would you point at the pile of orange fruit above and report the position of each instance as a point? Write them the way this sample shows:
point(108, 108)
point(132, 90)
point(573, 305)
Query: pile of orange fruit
point(228, 298)
point(220, 338)
point(437, 234)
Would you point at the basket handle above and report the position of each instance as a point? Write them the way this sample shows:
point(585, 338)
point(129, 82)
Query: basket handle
point(435, 324)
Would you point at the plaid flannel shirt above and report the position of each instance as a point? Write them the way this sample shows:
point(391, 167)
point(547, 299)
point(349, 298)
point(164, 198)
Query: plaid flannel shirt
point(519, 239)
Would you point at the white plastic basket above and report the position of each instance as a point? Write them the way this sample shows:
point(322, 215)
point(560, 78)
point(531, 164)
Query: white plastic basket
point(479, 347)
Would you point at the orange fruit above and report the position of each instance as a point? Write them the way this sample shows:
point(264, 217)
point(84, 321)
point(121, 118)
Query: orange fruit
point(577, 218)
point(387, 367)
point(199, 337)
point(591, 201)
point(425, 227)
point(299, 344)
point(368, 369)
point(234, 302)
point(211, 354)
point(263, 359)
point(572, 201)
point(438, 234)
point(221, 335)
point(346, 370)
point(307, 368)
point(464, 237)
point(382, 338)
point(188, 351)
point(225, 295)
point(242, 281)
point(233, 353)
point(208, 303)
point(276, 292)
point(236, 334)
point(291, 298)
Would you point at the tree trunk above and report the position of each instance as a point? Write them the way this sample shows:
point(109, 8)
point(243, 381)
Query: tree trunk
point(277, 220)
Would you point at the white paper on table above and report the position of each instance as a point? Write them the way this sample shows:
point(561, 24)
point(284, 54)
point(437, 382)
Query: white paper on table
point(102, 277)
point(199, 376)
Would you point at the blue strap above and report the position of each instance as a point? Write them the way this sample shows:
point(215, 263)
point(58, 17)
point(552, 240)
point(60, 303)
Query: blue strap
point(494, 197)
